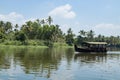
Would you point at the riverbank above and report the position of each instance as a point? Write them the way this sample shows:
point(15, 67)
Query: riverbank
point(56, 45)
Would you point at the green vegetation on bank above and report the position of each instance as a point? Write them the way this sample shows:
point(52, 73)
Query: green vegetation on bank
point(34, 43)
point(44, 33)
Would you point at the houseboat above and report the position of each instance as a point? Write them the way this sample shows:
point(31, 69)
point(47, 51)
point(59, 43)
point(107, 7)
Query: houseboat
point(92, 47)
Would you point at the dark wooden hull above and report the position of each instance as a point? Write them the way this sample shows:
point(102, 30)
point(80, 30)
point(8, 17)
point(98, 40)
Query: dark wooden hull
point(89, 50)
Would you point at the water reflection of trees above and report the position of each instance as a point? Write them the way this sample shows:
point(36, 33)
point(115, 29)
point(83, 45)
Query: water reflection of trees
point(44, 62)
point(41, 62)
point(4, 61)
point(5, 58)
point(90, 57)
point(69, 56)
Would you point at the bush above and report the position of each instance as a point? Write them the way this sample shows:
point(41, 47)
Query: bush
point(35, 42)
point(59, 44)
point(48, 43)
point(12, 43)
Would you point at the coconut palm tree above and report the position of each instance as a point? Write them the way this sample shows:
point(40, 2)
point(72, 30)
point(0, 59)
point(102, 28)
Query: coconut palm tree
point(8, 27)
point(90, 35)
point(49, 20)
point(2, 24)
point(82, 33)
point(42, 21)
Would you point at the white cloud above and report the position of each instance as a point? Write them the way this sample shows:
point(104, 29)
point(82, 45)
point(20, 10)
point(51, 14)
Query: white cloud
point(64, 11)
point(107, 29)
point(105, 26)
point(13, 17)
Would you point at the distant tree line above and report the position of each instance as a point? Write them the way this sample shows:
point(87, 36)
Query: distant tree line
point(113, 41)
point(43, 32)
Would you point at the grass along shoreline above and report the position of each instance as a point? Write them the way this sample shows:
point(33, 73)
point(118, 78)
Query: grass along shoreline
point(34, 44)
point(31, 46)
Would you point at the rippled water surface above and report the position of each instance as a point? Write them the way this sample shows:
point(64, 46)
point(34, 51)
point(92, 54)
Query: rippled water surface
point(58, 64)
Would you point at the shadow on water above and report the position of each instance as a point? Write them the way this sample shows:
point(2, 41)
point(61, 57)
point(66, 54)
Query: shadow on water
point(90, 57)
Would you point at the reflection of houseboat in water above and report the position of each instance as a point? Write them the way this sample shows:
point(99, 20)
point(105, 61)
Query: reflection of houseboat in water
point(90, 57)
point(92, 47)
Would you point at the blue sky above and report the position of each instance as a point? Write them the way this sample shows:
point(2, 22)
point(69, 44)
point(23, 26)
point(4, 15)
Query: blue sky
point(102, 16)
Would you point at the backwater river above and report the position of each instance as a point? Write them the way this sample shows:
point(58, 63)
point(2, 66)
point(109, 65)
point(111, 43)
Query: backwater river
point(58, 64)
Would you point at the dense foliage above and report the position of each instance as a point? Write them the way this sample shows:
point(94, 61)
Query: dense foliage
point(113, 41)
point(43, 32)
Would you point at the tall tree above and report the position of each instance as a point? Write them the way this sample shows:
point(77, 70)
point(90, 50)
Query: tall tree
point(16, 27)
point(90, 35)
point(70, 36)
point(2, 24)
point(20, 36)
point(82, 33)
point(49, 20)
point(42, 21)
point(8, 27)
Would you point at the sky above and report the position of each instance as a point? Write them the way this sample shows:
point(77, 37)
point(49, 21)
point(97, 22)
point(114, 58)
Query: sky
point(101, 16)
